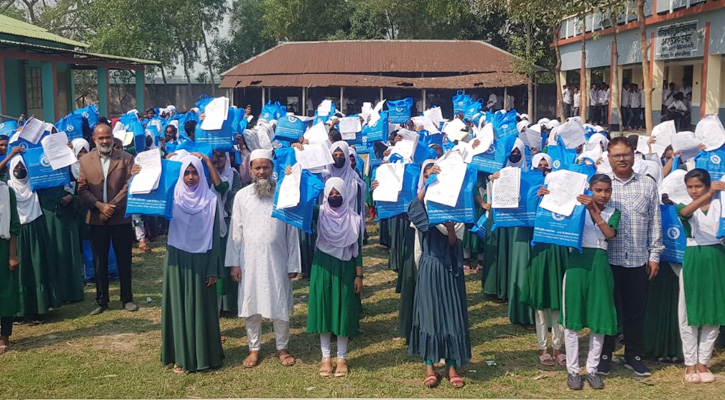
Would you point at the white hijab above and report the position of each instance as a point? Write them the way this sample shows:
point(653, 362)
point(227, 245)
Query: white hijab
point(27, 201)
point(519, 144)
point(227, 175)
point(4, 211)
point(338, 229)
point(78, 145)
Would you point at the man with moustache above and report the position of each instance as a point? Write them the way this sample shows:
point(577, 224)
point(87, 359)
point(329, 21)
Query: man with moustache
point(102, 186)
point(264, 254)
point(634, 254)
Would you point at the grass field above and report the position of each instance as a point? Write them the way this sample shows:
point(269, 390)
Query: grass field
point(117, 354)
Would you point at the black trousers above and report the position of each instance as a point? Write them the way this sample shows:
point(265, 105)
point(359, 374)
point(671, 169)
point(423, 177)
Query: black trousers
point(122, 237)
point(6, 326)
point(630, 299)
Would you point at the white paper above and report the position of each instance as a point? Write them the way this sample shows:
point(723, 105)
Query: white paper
point(32, 130)
point(572, 133)
point(455, 129)
point(148, 178)
point(710, 132)
point(604, 167)
point(289, 189)
point(324, 109)
point(662, 134)
point(564, 186)
point(531, 138)
point(314, 156)
point(349, 126)
point(317, 134)
point(426, 123)
point(406, 147)
point(367, 109)
point(390, 182)
point(673, 185)
point(507, 188)
point(57, 152)
point(685, 143)
point(446, 188)
point(379, 106)
point(435, 114)
point(485, 137)
point(642, 145)
point(215, 114)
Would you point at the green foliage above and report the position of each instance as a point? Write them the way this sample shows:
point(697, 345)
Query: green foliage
point(246, 38)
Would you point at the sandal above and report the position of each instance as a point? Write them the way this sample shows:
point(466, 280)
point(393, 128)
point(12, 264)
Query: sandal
point(285, 358)
point(250, 362)
point(4, 349)
point(326, 367)
point(431, 380)
point(341, 372)
point(561, 359)
point(546, 359)
point(456, 381)
point(178, 370)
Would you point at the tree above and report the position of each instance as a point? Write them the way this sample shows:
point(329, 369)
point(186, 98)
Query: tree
point(246, 38)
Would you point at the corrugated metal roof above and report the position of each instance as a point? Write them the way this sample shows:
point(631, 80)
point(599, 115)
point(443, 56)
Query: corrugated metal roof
point(469, 81)
point(12, 26)
point(378, 56)
point(80, 55)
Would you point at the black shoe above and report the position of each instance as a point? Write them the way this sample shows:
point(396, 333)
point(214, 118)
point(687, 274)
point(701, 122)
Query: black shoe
point(605, 365)
point(99, 310)
point(574, 381)
point(635, 364)
point(595, 382)
point(130, 306)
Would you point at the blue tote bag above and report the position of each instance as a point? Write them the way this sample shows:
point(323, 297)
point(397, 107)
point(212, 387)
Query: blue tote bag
point(525, 213)
point(673, 235)
point(89, 113)
point(464, 211)
point(301, 215)
point(161, 200)
point(553, 228)
point(505, 124)
point(41, 175)
point(474, 108)
point(283, 157)
point(203, 101)
point(289, 128)
point(460, 102)
point(388, 209)
point(272, 111)
point(561, 157)
point(219, 139)
point(379, 130)
point(495, 158)
point(479, 228)
point(713, 162)
point(399, 110)
point(72, 125)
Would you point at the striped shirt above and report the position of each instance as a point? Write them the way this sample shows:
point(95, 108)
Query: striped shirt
point(639, 235)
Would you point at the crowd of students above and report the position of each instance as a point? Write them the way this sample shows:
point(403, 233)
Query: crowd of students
point(617, 286)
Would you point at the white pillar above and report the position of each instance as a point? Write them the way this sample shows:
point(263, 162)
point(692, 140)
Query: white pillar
point(424, 94)
point(303, 106)
point(505, 97)
point(342, 99)
point(264, 98)
point(381, 94)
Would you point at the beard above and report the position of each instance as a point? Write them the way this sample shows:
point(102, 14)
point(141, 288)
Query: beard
point(105, 149)
point(264, 187)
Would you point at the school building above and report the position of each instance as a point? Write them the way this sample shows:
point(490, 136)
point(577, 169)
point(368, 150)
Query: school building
point(302, 74)
point(37, 72)
point(687, 40)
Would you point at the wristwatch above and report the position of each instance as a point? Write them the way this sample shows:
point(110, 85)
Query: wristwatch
point(360, 276)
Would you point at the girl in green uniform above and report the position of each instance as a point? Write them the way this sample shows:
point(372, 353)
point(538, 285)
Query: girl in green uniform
point(9, 230)
point(589, 286)
point(701, 307)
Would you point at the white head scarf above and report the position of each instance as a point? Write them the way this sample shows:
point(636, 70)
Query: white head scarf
point(421, 179)
point(348, 175)
point(338, 229)
point(519, 144)
point(537, 159)
point(192, 226)
point(27, 201)
point(227, 175)
point(600, 139)
point(78, 145)
point(4, 211)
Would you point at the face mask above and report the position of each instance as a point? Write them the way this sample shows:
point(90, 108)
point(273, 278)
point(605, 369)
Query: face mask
point(339, 162)
point(334, 202)
point(20, 173)
point(515, 158)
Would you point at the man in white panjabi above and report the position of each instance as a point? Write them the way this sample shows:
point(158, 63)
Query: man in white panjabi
point(264, 254)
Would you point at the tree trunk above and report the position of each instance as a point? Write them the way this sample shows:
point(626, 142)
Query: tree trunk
point(208, 61)
point(530, 85)
point(615, 70)
point(584, 90)
point(557, 71)
point(185, 63)
point(645, 68)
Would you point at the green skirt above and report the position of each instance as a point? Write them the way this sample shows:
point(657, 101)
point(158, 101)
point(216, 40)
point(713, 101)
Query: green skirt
point(543, 288)
point(63, 232)
point(472, 242)
point(589, 293)
point(496, 261)
point(661, 324)
point(703, 275)
point(8, 283)
point(190, 334)
point(405, 285)
point(226, 288)
point(333, 307)
point(37, 276)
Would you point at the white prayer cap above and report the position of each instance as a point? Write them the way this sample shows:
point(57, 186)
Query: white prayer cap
point(522, 125)
point(525, 116)
point(260, 153)
point(171, 107)
point(599, 129)
point(195, 110)
point(543, 121)
point(552, 124)
point(134, 111)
